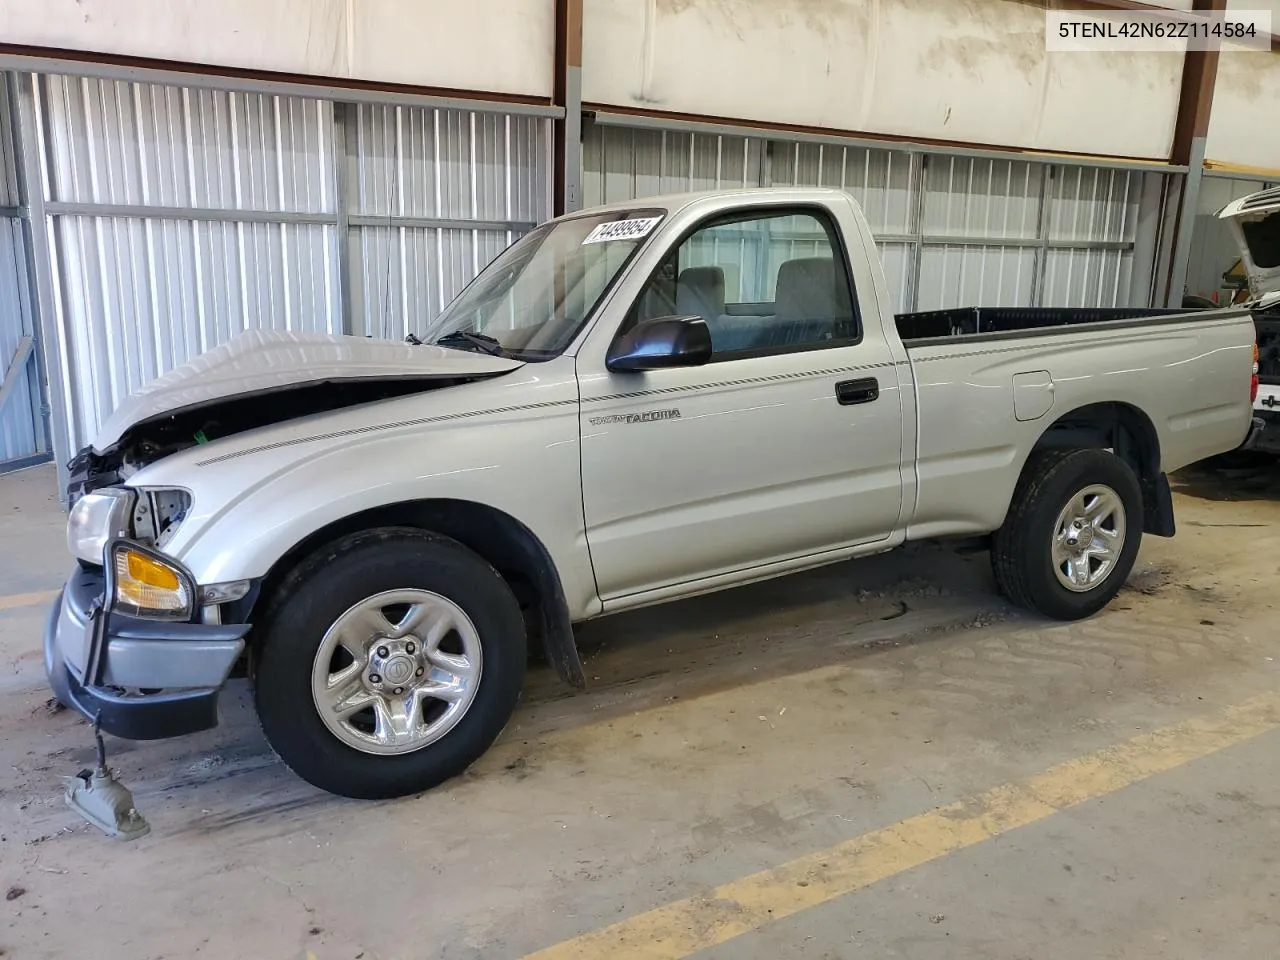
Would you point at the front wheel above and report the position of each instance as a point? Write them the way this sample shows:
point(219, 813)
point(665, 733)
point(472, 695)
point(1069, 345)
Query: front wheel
point(390, 662)
point(1072, 533)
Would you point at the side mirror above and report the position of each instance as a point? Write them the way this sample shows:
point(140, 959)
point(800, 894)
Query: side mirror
point(660, 343)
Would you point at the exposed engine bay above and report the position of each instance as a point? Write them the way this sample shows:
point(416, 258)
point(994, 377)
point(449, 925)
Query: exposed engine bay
point(150, 440)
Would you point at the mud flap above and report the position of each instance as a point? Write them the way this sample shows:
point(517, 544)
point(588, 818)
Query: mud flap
point(1157, 507)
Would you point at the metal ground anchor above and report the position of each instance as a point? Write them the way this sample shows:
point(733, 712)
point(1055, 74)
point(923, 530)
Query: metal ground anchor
point(103, 800)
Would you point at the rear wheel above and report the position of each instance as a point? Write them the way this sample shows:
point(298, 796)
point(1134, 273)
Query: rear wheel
point(1072, 533)
point(391, 661)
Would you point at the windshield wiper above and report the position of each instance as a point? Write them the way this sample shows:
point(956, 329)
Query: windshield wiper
point(478, 341)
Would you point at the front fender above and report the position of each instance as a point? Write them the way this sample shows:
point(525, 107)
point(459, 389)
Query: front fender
point(251, 508)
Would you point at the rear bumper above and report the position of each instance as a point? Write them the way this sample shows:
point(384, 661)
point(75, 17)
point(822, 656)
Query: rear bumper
point(146, 679)
point(1264, 434)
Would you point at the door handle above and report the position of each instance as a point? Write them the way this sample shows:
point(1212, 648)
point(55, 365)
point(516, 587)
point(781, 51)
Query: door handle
point(857, 391)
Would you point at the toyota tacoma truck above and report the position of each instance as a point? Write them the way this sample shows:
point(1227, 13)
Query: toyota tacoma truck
point(1255, 221)
point(630, 405)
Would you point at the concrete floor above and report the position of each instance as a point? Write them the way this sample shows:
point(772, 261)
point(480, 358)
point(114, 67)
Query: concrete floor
point(820, 717)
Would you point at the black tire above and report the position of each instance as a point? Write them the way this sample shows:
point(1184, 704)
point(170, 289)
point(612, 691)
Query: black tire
point(1021, 554)
point(317, 593)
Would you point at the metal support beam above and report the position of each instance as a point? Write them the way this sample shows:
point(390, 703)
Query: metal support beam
point(1004, 243)
point(439, 223)
point(682, 123)
point(1188, 204)
point(205, 77)
point(1151, 193)
point(918, 178)
point(1195, 102)
point(338, 218)
point(344, 116)
point(44, 317)
point(79, 209)
point(17, 368)
point(567, 159)
point(1040, 267)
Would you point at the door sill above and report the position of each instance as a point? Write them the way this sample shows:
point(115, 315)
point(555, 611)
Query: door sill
point(737, 578)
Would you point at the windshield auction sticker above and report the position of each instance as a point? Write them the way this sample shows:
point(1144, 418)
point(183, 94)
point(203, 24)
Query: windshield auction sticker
point(622, 230)
point(1170, 31)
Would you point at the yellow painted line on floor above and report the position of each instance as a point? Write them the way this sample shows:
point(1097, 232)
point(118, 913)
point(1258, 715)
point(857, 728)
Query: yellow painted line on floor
point(9, 601)
point(684, 927)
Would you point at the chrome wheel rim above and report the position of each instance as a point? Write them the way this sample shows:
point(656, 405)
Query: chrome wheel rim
point(397, 671)
point(1088, 538)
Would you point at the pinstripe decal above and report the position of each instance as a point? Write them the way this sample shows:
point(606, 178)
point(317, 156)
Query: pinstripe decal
point(746, 381)
point(972, 353)
point(494, 411)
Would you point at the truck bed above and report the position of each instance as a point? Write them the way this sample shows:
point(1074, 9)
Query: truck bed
point(971, 321)
point(989, 381)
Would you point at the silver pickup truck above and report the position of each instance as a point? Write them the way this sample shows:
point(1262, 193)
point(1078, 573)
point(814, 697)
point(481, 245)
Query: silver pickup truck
point(629, 405)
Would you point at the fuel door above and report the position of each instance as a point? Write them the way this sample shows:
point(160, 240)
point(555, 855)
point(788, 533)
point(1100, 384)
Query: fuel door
point(1032, 394)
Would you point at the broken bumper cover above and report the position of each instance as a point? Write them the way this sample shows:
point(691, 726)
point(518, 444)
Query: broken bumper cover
point(1264, 434)
point(150, 679)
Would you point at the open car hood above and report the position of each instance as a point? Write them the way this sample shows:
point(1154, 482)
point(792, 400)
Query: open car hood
point(1255, 222)
point(263, 366)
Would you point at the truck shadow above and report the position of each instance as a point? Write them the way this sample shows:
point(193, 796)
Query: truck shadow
point(1234, 477)
point(647, 658)
point(228, 782)
point(792, 624)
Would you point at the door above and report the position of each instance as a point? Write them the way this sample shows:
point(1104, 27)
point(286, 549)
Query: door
point(787, 444)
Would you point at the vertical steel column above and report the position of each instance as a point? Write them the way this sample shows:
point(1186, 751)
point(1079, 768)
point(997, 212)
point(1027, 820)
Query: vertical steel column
point(567, 148)
point(1039, 279)
point(343, 118)
point(917, 181)
point(1195, 102)
point(50, 338)
point(1146, 239)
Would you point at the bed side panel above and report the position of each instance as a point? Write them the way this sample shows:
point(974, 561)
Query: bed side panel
point(1190, 378)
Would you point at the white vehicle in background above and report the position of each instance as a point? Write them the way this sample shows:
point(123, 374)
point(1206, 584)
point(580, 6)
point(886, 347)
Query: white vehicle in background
point(1255, 221)
point(629, 405)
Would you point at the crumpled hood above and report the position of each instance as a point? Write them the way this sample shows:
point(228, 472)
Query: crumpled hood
point(263, 362)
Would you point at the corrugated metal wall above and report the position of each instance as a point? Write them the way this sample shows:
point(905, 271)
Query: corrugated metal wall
point(21, 436)
point(179, 217)
point(482, 179)
point(952, 231)
point(142, 284)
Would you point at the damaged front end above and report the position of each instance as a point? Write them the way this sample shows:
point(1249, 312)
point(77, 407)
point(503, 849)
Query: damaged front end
point(260, 378)
point(153, 439)
point(135, 640)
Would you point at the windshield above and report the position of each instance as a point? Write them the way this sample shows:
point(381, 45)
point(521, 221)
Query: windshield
point(533, 298)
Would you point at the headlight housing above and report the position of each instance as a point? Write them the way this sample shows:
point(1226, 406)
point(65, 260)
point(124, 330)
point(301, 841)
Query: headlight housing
point(148, 584)
point(96, 519)
point(158, 513)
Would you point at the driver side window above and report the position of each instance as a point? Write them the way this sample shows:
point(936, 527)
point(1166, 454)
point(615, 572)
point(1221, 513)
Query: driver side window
point(763, 283)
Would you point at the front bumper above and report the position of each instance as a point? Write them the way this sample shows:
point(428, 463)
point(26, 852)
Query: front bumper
point(146, 679)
